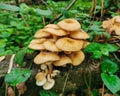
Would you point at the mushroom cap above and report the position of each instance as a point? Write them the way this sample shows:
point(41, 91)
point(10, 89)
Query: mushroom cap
point(80, 34)
point(107, 24)
point(85, 44)
point(37, 44)
point(40, 78)
point(77, 58)
point(57, 32)
point(116, 29)
point(69, 24)
point(49, 84)
point(51, 46)
point(44, 57)
point(63, 60)
point(116, 19)
point(41, 33)
point(68, 44)
point(52, 26)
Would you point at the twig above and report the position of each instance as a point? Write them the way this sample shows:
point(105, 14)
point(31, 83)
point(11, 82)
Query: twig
point(68, 7)
point(93, 7)
point(11, 63)
point(103, 89)
point(102, 7)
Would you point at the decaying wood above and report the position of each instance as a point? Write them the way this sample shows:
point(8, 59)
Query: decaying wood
point(70, 78)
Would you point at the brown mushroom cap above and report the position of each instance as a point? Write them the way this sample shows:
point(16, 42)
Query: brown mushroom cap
point(80, 34)
point(40, 78)
point(77, 58)
point(44, 57)
point(57, 32)
point(37, 44)
point(52, 26)
point(68, 44)
point(63, 60)
point(50, 45)
point(69, 24)
point(41, 33)
point(116, 19)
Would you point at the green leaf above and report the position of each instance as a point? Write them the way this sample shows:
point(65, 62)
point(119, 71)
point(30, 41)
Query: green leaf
point(97, 54)
point(20, 56)
point(107, 65)
point(48, 93)
point(9, 7)
point(17, 76)
point(43, 12)
point(112, 82)
point(111, 47)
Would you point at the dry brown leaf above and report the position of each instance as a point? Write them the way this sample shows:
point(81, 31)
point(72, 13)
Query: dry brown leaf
point(10, 91)
point(21, 88)
point(2, 58)
point(107, 94)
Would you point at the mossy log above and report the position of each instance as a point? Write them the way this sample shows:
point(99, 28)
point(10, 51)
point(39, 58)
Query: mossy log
point(71, 79)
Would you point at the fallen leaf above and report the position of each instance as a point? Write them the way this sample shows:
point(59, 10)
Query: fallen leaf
point(2, 58)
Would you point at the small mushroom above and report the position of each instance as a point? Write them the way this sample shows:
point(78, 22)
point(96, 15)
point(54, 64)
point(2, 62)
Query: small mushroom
point(49, 84)
point(69, 24)
point(40, 78)
point(51, 46)
point(41, 34)
point(68, 44)
point(63, 60)
point(44, 57)
point(77, 58)
point(80, 34)
point(116, 25)
point(37, 44)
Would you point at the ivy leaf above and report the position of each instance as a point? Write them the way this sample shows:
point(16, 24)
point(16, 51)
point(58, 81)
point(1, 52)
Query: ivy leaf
point(109, 66)
point(17, 76)
point(48, 93)
point(20, 56)
point(112, 82)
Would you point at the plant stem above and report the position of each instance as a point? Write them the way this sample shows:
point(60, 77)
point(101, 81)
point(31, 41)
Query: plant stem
point(103, 87)
point(6, 87)
point(93, 7)
point(14, 90)
point(102, 7)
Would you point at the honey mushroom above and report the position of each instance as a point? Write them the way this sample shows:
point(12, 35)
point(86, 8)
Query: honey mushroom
point(112, 25)
point(59, 44)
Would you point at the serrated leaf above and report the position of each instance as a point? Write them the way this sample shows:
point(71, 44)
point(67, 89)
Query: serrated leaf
point(112, 82)
point(17, 76)
point(9, 7)
point(19, 57)
point(107, 65)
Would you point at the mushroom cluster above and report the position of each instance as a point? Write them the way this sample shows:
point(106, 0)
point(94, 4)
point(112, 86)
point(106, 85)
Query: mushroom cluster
point(59, 44)
point(112, 25)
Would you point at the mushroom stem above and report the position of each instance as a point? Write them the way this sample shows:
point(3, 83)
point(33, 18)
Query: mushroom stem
point(44, 68)
point(50, 67)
